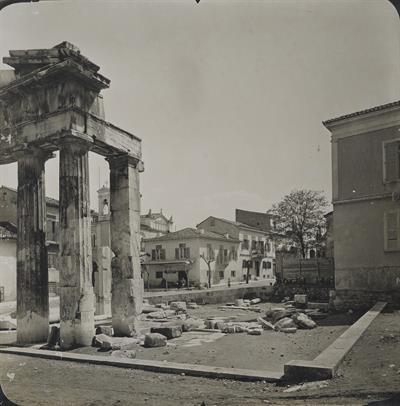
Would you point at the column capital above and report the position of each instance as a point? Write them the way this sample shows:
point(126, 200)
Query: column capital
point(122, 160)
point(35, 153)
point(75, 145)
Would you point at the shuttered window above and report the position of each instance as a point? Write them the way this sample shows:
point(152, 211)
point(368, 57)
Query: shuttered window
point(391, 161)
point(391, 220)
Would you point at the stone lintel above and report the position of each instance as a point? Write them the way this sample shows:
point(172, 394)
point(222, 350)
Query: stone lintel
point(47, 131)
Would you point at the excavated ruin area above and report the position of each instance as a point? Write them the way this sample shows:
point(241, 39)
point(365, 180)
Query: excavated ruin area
point(268, 351)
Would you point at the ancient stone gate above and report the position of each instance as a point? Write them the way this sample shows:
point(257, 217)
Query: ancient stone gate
point(51, 101)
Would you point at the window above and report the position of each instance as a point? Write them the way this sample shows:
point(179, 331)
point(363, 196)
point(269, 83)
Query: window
point(158, 254)
point(159, 274)
point(266, 265)
point(391, 231)
point(93, 240)
point(210, 252)
point(391, 167)
point(221, 274)
point(182, 252)
point(245, 243)
point(233, 254)
point(225, 255)
point(233, 274)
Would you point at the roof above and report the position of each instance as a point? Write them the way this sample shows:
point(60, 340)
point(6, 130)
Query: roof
point(152, 215)
point(362, 112)
point(191, 233)
point(49, 200)
point(235, 223)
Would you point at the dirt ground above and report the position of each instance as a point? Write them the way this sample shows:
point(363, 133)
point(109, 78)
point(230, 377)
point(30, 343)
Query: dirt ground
point(371, 371)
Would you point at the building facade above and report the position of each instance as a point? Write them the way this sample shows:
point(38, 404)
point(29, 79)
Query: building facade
point(183, 256)
point(366, 201)
point(256, 244)
point(8, 242)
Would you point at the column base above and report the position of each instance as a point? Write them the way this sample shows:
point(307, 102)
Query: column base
point(127, 304)
point(32, 328)
point(77, 330)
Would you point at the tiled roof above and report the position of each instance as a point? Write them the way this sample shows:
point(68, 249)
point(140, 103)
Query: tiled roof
point(362, 112)
point(237, 224)
point(49, 200)
point(190, 233)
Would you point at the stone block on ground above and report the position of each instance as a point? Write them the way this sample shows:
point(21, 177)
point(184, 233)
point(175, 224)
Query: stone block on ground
point(286, 322)
point(300, 300)
point(107, 330)
point(192, 305)
point(152, 340)
point(191, 324)
point(213, 323)
point(179, 306)
point(162, 306)
point(107, 343)
point(171, 331)
point(124, 354)
point(147, 308)
point(169, 313)
point(288, 330)
point(275, 315)
point(160, 314)
point(303, 321)
point(266, 325)
point(7, 325)
point(239, 302)
point(255, 301)
point(255, 332)
point(229, 329)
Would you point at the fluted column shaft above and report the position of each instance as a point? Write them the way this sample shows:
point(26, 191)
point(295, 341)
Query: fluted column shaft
point(127, 282)
point(32, 269)
point(76, 289)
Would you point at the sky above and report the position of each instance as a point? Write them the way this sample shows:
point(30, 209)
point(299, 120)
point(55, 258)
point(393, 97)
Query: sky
point(228, 97)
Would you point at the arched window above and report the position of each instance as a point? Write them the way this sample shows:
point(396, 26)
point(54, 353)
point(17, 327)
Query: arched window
point(105, 207)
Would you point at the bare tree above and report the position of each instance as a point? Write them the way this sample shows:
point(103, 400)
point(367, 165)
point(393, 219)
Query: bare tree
point(300, 218)
point(209, 259)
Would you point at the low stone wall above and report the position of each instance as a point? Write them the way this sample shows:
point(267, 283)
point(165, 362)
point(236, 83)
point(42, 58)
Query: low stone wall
point(363, 299)
point(212, 296)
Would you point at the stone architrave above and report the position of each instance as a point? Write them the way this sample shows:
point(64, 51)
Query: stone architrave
point(127, 282)
point(76, 289)
point(32, 269)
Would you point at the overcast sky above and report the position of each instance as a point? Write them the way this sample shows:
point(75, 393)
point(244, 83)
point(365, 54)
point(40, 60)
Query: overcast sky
point(228, 97)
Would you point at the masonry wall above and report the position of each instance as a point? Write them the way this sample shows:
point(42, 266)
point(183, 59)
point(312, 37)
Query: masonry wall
point(364, 272)
point(360, 164)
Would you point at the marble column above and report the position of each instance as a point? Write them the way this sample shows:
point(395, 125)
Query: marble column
point(32, 269)
point(127, 282)
point(76, 289)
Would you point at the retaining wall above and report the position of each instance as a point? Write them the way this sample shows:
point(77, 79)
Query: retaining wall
point(211, 296)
